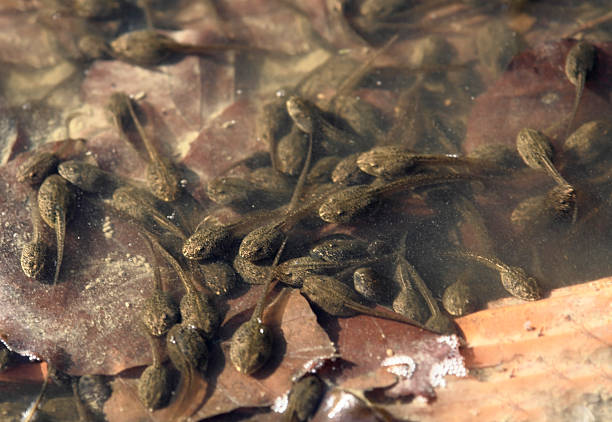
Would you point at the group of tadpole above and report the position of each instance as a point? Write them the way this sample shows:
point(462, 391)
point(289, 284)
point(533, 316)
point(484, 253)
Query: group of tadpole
point(320, 170)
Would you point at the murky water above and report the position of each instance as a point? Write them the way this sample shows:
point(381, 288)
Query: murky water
point(421, 103)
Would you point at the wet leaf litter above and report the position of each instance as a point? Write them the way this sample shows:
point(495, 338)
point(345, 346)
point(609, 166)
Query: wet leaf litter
point(201, 123)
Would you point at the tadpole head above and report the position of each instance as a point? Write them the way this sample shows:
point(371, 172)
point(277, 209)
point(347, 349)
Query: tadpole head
point(441, 324)
point(205, 242)
point(163, 181)
point(251, 347)
point(261, 243)
point(36, 168)
point(520, 285)
point(34, 259)
point(142, 48)
point(300, 112)
point(159, 313)
point(533, 147)
point(154, 387)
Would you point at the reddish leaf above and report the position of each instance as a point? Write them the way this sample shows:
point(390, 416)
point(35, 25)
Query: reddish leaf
point(88, 322)
point(534, 92)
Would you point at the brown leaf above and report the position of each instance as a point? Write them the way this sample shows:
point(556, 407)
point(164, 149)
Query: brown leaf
point(534, 92)
point(88, 322)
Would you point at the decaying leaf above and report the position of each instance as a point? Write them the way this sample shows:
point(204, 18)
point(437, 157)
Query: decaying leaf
point(534, 92)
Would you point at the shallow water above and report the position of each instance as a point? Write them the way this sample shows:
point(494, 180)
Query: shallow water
point(458, 76)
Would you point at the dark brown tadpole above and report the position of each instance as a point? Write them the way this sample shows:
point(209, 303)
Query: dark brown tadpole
point(557, 206)
point(438, 321)
point(459, 299)
point(271, 123)
point(189, 354)
point(41, 164)
point(34, 255)
point(343, 206)
point(208, 239)
point(391, 161)
point(197, 307)
point(371, 285)
point(34, 170)
point(348, 173)
point(251, 344)
point(589, 145)
point(310, 119)
point(162, 176)
point(536, 151)
point(219, 276)
point(514, 279)
point(55, 200)
point(154, 387)
point(262, 188)
point(579, 62)
point(160, 312)
point(149, 48)
point(88, 177)
point(140, 206)
point(264, 241)
point(187, 350)
point(304, 399)
point(408, 302)
point(339, 248)
point(338, 299)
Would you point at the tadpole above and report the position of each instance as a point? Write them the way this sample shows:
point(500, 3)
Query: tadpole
point(343, 206)
point(160, 312)
point(162, 177)
point(264, 241)
point(251, 344)
point(197, 308)
point(311, 120)
point(149, 48)
point(88, 177)
point(391, 161)
point(34, 255)
point(154, 382)
point(514, 279)
point(458, 299)
point(438, 321)
point(338, 299)
point(55, 201)
point(579, 62)
point(41, 164)
point(304, 399)
point(408, 301)
point(536, 151)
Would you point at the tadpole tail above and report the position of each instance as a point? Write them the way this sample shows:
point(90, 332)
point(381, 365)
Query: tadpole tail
point(167, 225)
point(579, 90)
point(60, 232)
point(30, 414)
point(390, 315)
point(554, 173)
